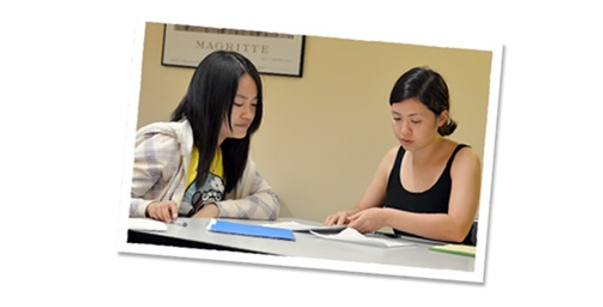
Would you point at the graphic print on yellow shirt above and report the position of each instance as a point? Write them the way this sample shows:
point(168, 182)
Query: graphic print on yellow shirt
point(212, 190)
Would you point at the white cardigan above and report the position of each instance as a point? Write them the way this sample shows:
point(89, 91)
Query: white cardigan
point(161, 159)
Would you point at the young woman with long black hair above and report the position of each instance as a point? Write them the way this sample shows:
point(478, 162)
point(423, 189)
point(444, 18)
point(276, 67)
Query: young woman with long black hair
point(198, 164)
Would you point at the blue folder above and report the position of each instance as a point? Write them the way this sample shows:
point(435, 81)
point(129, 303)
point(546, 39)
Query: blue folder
point(250, 230)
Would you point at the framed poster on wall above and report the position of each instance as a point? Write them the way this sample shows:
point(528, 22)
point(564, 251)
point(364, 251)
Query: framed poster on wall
point(272, 53)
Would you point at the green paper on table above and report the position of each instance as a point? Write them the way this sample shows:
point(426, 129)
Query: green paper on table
point(457, 249)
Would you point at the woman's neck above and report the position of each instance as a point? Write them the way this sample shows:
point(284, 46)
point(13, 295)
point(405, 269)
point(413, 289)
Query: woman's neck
point(430, 153)
point(221, 138)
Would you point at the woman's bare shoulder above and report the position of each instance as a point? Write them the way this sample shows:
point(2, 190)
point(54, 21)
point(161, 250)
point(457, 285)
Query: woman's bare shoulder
point(466, 158)
point(390, 155)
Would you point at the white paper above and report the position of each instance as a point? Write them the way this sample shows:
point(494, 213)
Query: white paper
point(295, 226)
point(211, 223)
point(146, 224)
point(353, 236)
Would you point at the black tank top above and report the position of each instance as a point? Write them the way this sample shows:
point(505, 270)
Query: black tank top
point(433, 200)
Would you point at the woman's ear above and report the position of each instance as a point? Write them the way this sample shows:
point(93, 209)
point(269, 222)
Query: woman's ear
point(442, 118)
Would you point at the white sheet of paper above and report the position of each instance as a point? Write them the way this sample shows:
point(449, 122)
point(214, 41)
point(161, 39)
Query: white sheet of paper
point(353, 236)
point(146, 224)
point(295, 226)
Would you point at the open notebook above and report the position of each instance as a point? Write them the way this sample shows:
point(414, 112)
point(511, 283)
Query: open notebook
point(352, 235)
point(338, 233)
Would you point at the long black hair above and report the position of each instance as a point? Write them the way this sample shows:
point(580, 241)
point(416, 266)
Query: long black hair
point(430, 88)
point(208, 102)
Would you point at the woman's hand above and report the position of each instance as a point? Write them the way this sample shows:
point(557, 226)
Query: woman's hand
point(368, 220)
point(209, 210)
point(340, 217)
point(165, 211)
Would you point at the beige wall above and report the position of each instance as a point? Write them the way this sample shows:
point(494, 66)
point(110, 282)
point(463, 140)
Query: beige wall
point(324, 134)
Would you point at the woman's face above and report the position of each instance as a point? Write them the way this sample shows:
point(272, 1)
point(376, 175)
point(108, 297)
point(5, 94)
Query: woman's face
point(243, 110)
point(414, 125)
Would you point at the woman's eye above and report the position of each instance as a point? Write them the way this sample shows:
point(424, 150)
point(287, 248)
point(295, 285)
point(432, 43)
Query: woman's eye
point(396, 118)
point(238, 104)
point(415, 121)
point(254, 105)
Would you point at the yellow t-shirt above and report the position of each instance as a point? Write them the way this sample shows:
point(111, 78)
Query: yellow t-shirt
point(215, 168)
point(198, 195)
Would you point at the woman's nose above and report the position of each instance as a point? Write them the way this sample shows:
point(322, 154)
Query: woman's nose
point(405, 128)
point(247, 112)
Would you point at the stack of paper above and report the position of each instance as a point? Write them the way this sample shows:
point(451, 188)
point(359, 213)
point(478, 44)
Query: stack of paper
point(299, 227)
point(146, 224)
point(458, 249)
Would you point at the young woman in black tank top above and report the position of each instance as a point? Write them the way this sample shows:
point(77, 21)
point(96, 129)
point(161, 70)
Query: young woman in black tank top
point(429, 186)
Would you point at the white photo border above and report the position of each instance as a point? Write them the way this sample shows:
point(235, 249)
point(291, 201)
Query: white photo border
point(477, 276)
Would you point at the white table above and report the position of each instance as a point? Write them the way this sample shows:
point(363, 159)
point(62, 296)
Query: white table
point(194, 235)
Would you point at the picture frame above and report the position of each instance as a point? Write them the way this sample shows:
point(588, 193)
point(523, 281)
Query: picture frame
point(272, 53)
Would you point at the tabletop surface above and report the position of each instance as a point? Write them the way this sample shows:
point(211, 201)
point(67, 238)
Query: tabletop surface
point(415, 254)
